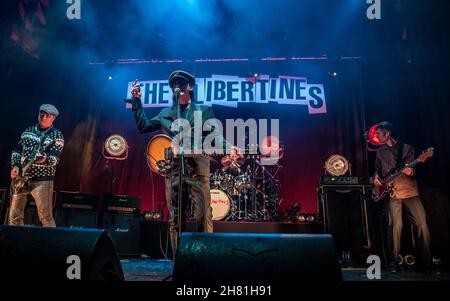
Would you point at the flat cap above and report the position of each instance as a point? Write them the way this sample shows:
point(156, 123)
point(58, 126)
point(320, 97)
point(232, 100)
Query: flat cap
point(50, 109)
point(181, 77)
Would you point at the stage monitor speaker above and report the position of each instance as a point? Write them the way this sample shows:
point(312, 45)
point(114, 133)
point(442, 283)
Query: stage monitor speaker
point(344, 213)
point(42, 253)
point(218, 257)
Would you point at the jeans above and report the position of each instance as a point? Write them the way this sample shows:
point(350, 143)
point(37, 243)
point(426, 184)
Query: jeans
point(200, 195)
point(42, 192)
point(417, 217)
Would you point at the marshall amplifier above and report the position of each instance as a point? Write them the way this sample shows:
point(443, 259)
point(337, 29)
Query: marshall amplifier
point(76, 210)
point(3, 205)
point(76, 218)
point(31, 216)
point(77, 200)
point(121, 203)
point(125, 230)
point(330, 180)
point(343, 210)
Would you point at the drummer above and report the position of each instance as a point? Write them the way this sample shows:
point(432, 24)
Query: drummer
point(233, 162)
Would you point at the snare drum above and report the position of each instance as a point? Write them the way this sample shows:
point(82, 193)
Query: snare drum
point(220, 204)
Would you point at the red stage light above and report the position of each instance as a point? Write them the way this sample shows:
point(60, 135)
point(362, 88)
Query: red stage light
point(371, 135)
point(270, 145)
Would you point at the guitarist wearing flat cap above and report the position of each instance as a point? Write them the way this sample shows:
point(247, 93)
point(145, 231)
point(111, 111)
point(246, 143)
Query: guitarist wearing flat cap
point(33, 168)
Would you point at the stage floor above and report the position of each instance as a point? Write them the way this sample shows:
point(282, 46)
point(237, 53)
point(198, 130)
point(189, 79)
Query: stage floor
point(145, 269)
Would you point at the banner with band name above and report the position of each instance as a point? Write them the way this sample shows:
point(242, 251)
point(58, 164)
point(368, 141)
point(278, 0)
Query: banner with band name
point(230, 91)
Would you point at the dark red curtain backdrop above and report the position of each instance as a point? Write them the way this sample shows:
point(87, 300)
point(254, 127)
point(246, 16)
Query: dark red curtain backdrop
point(92, 109)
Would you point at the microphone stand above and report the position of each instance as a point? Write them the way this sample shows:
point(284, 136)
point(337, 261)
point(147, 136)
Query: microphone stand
point(180, 171)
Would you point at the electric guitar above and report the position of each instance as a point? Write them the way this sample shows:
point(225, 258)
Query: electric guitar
point(380, 192)
point(18, 183)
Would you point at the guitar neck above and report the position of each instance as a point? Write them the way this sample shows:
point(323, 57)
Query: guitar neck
point(400, 172)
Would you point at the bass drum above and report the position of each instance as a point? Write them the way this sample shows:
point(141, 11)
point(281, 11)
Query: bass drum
point(220, 204)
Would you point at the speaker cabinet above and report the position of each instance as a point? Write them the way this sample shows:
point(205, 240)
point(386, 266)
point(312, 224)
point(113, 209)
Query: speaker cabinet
point(343, 210)
point(76, 218)
point(30, 214)
point(218, 257)
point(125, 230)
point(3, 205)
point(36, 253)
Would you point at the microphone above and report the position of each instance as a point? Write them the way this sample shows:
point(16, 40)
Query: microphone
point(177, 92)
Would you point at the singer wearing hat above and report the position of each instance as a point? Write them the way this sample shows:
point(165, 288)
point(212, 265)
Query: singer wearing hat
point(196, 179)
point(34, 161)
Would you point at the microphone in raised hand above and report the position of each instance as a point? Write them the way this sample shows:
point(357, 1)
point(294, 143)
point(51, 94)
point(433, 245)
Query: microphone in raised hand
point(135, 92)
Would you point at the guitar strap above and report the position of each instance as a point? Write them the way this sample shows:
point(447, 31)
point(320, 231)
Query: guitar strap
point(42, 136)
point(399, 162)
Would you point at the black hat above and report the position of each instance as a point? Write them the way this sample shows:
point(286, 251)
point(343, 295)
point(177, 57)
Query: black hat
point(181, 77)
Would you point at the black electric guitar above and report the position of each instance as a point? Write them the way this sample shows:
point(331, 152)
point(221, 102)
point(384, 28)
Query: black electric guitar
point(18, 183)
point(380, 192)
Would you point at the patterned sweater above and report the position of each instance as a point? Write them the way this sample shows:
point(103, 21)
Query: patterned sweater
point(52, 146)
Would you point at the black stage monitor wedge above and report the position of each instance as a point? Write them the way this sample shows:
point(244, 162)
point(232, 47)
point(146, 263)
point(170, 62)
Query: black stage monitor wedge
point(218, 257)
point(36, 253)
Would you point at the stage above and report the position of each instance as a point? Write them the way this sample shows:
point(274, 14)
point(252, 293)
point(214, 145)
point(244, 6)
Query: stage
point(290, 140)
point(146, 269)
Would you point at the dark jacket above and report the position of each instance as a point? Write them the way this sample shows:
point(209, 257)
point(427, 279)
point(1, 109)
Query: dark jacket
point(386, 160)
point(165, 119)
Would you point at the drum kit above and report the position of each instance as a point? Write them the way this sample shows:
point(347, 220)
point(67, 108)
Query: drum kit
point(244, 189)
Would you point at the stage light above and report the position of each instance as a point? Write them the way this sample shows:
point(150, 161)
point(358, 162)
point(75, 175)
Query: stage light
point(270, 147)
point(110, 77)
point(310, 218)
point(336, 165)
point(372, 142)
point(334, 74)
point(256, 75)
point(115, 148)
point(153, 215)
point(305, 217)
point(372, 137)
point(409, 260)
point(301, 218)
